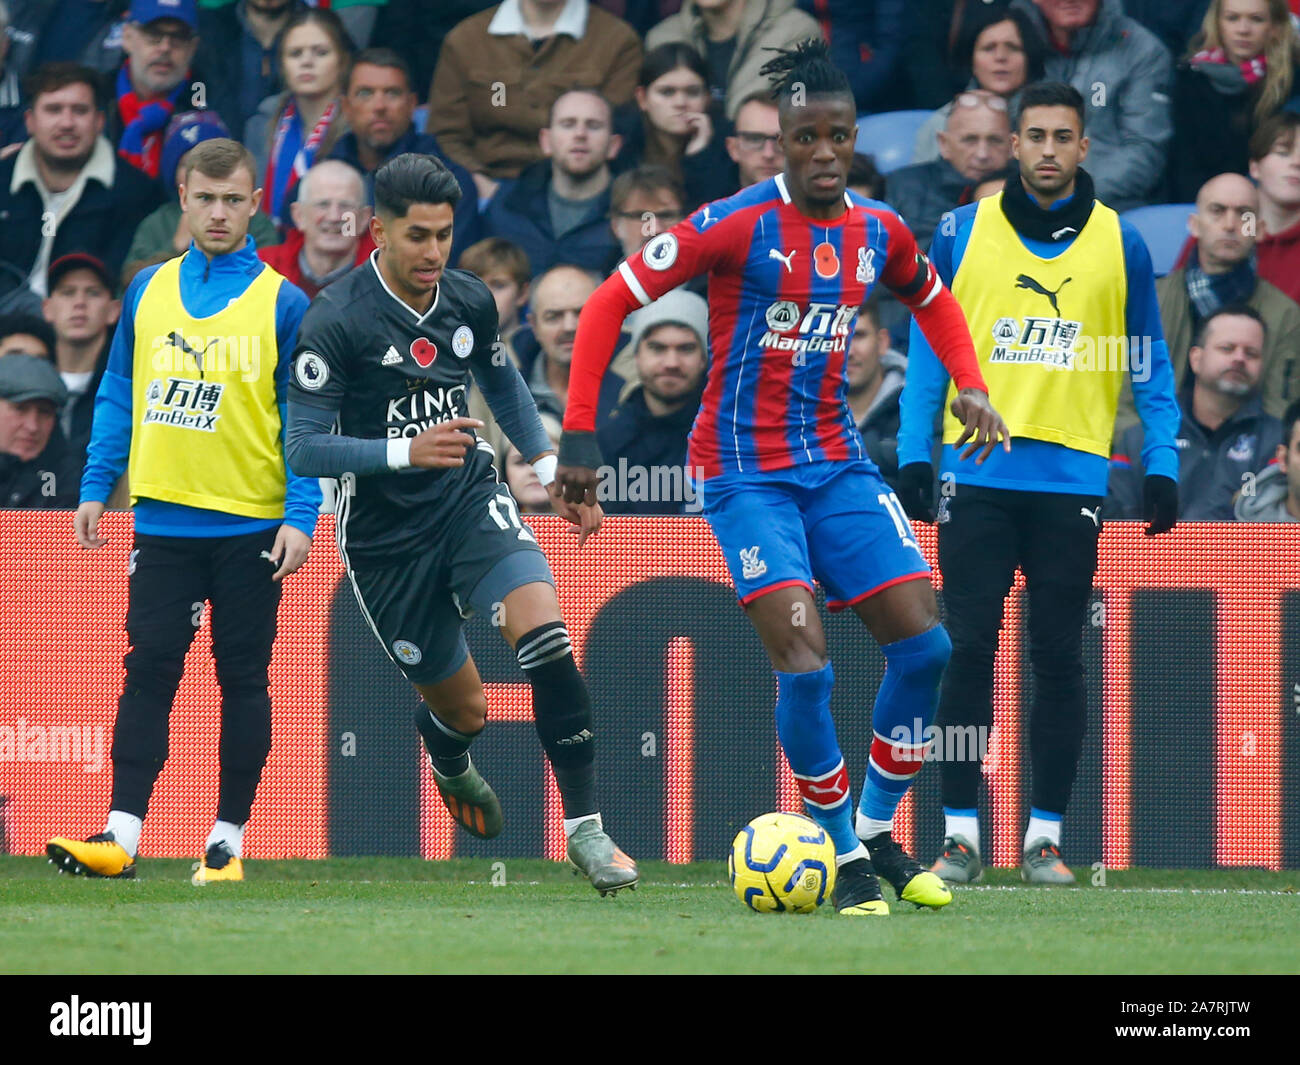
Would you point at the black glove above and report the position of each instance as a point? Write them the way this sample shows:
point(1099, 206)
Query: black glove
point(1159, 504)
point(916, 491)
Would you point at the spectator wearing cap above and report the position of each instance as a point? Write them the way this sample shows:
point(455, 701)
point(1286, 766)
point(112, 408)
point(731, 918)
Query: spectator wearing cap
point(1225, 440)
point(1275, 494)
point(648, 428)
point(1003, 51)
point(82, 311)
point(1221, 270)
point(379, 108)
point(500, 71)
point(1125, 76)
point(331, 233)
point(293, 129)
point(558, 209)
point(36, 471)
point(65, 190)
point(975, 143)
point(165, 233)
point(237, 47)
point(22, 333)
point(154, 82)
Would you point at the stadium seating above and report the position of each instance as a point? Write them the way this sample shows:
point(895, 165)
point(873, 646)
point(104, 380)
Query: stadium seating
point(889, 137)
point(1164, 228)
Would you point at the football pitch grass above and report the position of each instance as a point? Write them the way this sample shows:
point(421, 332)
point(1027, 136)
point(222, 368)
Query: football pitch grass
point(395, 915)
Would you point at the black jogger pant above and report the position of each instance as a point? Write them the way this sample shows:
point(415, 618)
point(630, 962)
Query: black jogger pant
point(1053, 538)
point(170, 578)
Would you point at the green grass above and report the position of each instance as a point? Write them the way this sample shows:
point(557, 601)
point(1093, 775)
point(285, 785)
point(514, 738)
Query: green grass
point(392, 915)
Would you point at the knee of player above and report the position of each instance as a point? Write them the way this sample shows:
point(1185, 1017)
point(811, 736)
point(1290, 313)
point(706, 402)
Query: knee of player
point(795, 652)
point(926, 654)
point(468, 716)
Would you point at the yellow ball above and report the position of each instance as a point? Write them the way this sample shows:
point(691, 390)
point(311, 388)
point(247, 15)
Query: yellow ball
point(782, 863)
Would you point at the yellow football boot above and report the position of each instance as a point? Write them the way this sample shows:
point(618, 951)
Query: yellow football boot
point(100, 855)
point(911, 881)
point(219, 863)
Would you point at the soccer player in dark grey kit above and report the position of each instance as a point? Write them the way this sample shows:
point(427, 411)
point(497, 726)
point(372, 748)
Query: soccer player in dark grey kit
point(426, 532)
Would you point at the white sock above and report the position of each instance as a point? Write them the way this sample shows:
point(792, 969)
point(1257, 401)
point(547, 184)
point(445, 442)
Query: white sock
point(231, 835)
point(963, 825)
point(1043, 826)
point(857, 852)
point(126, 830)
point(866, 827)
point(571, 825)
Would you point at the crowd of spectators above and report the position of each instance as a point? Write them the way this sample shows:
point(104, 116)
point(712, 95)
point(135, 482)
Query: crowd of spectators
point(578, 129)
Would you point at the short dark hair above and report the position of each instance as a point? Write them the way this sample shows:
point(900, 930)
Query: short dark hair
point(1049, 94)
point(808, 64)
point(1279, 127)
point(219, 157)
point(412, 178)
point(963, 51)
point(863, 171)
point(31, 324)
point(51, 77)
point(378, 57)
point(647, 178)
point(1290, 418)
point(870, 308)
point(1228, 310)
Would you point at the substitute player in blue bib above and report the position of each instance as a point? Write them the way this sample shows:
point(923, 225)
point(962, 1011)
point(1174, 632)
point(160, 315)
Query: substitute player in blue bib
point(787, 486)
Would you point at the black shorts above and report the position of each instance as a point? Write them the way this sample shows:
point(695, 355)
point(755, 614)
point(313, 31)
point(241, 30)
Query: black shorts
point(415, 602)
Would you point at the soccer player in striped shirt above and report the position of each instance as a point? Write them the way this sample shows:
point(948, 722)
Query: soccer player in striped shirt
point(787, 486)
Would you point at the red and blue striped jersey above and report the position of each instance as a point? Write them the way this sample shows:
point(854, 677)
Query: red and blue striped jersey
point(784, 293)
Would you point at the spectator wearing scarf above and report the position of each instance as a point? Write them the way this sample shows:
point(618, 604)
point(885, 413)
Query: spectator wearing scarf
point(295, 128)
point(1236, 74)
point(1221, 271)
point(154, 81)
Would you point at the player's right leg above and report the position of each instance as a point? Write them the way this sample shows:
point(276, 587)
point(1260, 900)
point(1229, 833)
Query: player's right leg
point(759, 528)
point(408, 605)
point(979, 549)
point(167, 587)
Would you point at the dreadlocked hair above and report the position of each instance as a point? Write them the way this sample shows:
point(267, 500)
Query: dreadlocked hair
point(808, 64)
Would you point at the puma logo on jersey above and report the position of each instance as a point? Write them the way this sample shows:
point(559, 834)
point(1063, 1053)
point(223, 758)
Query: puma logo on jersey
point(1094, 514)
point(826, 791)
point(392, 357)
point(785, 260)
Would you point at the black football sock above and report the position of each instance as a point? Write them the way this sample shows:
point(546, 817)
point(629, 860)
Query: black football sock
point(562, 714)
point(448, 749)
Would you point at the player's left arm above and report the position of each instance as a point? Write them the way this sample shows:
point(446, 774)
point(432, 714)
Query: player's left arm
point(1154, 392)
point(911, 276)
point(515, 410)
point(302, 495)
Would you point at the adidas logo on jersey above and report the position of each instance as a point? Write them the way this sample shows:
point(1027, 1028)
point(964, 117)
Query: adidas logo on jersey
point(392, 357)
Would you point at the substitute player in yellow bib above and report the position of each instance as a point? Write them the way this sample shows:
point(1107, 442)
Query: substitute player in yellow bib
point(192, 406)
point(1060, 297)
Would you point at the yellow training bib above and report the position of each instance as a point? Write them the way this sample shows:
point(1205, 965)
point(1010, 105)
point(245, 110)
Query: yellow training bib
point(206, 429)
point(1051, 334)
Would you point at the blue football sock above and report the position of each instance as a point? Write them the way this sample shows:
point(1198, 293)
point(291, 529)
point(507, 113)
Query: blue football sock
point(905, 707)
point(807, 734)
